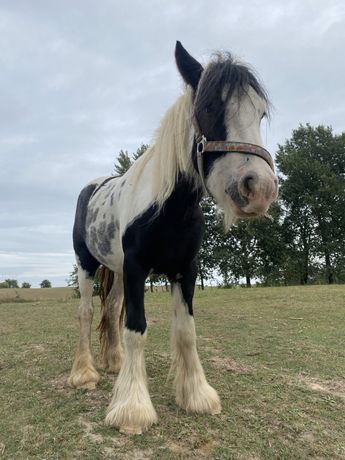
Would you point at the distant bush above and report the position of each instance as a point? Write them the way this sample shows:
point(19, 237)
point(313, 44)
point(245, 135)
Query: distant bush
point(26, 285)
point(46, 284)
point(4, 285)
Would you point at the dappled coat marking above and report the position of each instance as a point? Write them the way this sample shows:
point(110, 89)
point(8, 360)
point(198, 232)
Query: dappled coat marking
point(150, 220)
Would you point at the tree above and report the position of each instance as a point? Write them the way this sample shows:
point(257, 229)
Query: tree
point(73, 282)
point(26, 285)
point(252, 249)
point(207, 261)
point(236, 253)
point(312, 164)
point(270, 251)
point(160, 279)
point(125, 160)
point(142, 149)
point(46, 284)
point(12, 283)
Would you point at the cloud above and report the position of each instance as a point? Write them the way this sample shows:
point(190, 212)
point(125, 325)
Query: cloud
point(36, 266)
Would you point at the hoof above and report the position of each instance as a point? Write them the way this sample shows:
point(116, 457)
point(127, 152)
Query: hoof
point(84, 379)
point(113, 367)
point(113, 362)
point(202, 400)
point(130, 429)
point(131, 418)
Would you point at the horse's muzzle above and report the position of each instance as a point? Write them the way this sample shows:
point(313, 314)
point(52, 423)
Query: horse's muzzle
point(252, 194)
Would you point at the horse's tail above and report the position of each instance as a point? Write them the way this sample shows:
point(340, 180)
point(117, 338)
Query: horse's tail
point(106, 280)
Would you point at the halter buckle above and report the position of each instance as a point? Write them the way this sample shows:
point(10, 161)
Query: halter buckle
point(200, 146)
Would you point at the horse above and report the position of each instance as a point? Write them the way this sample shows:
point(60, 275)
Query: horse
point(150, 221)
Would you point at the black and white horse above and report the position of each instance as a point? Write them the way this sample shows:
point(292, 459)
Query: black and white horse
point(149, 220)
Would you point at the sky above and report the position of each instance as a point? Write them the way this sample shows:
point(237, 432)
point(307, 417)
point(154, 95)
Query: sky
point(82, 79)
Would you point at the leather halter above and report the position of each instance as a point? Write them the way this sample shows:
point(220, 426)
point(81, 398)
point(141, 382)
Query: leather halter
point(203, 145)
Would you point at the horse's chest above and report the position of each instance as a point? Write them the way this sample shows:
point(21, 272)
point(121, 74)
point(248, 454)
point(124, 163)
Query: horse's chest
point(166, 244)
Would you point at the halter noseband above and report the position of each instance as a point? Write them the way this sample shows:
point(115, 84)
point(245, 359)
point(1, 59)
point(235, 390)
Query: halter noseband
point(203, 145)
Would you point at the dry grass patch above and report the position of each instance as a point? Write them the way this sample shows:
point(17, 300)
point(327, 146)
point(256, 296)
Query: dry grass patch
point(224, 364)
point(332, 387)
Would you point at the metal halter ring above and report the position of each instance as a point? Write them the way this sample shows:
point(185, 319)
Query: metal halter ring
point(200, 146)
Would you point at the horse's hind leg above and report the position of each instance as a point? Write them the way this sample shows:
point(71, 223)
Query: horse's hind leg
point(83, 373)
point(110, 327)
point(193, 393)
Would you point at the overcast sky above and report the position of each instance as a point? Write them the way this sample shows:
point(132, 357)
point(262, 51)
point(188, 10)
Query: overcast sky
point(81, 80)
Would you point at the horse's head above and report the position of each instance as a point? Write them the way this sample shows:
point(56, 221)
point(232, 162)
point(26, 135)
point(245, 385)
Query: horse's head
point(229, 104)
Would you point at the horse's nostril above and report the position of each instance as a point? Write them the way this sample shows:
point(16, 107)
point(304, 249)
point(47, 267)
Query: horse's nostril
point(234, 192)
point(248, 183)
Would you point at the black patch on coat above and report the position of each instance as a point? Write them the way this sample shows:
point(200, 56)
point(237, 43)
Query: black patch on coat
point(111, 230)
point(87, 261)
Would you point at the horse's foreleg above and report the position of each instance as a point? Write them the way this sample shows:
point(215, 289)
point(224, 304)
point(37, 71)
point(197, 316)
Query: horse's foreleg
point(83, 373)
point(112, 351)
point(193, 393)
point(131, 409)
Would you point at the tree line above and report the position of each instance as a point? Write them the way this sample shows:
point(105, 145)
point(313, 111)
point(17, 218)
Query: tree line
point(13, 284)
point(304, 241)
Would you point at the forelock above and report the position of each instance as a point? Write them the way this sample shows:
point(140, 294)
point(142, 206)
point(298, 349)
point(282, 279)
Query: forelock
point(226, 71)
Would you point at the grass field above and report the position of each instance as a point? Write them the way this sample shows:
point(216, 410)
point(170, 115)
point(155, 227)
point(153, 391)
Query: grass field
point(275, 355)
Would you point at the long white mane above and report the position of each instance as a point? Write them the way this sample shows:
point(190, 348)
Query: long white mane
point(171, 151)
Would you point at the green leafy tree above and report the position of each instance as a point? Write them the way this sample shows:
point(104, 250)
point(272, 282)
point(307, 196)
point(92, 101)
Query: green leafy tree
point(270, 250)
point(46, 284)
point(236, 254)
point(207, 258)
point(312, 164)
point(26, 285)
point(158, 279)
point(252, 249)
point(72, 281)
point(12, 283)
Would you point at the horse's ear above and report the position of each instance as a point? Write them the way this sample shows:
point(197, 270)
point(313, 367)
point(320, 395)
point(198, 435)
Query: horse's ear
point(189, 68)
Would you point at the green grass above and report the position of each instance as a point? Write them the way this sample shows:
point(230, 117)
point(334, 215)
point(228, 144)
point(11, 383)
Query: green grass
point(275, 355)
